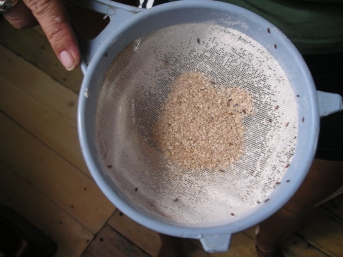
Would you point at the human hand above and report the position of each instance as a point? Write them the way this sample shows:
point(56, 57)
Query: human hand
point(52, 17)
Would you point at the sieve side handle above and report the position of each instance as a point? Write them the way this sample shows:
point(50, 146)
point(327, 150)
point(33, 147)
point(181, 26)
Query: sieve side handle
point(329, 103)
point(216, 243)
point(117, 13)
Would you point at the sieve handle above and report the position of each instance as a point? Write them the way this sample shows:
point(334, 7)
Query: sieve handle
point(117, 13)
point(329, 103)
point(216, 243)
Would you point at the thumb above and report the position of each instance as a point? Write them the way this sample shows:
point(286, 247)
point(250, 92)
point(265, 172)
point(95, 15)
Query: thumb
point(53, 19)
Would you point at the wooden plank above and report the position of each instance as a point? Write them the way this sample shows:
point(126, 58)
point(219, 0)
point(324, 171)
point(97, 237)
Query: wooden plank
point(35, 48)
point(323, 230)
point(66, 186)
point(38, 85)
point(293, 246)
point(72, 238)
point(109, 243)
point(47, 125)
point(145, 238)
point(335, 206)
point(321, 235)
point(86, 254)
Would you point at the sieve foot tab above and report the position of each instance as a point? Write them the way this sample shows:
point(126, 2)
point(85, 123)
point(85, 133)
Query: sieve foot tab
point(216, 243)
point(329, 103)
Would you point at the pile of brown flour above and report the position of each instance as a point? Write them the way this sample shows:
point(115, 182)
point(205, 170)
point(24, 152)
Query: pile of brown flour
point(201, 124)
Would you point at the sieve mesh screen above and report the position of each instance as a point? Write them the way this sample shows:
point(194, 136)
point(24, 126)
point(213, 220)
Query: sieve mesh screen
point(135, 89)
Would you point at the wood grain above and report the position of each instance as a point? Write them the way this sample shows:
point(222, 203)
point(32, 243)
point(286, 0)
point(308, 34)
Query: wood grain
point(86, 254)
point(323, 230)
point(46, 121)
point(38, 85)
point(335, 206)
point(45, 170)
point(145, 238)
point(293, 246)
point(110, 243)
point(35, 48)
point(71, 236)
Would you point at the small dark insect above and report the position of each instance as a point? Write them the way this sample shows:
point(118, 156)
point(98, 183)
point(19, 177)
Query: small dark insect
point(198, 40)
point(268, 30)
point(298, 95)
point(258, 202)
point(303, 119)
point(287, 165)
point(109, 166)
point(221, 170)
point(176, 200)
point(136, 189)
point(244, 111)
point(276, 107)
point(266, 200)
point(232, 214)
point(287, 180)
point(287, 124)
point(229, 101)
point(275, 46)
point(278, 183)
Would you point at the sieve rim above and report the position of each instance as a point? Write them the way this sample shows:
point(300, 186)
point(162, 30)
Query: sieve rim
point(87, 102)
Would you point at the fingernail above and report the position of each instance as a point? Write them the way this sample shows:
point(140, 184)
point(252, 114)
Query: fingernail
point(67, 60)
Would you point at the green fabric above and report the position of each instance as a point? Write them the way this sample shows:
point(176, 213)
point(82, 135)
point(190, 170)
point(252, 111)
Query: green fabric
point(314, 26)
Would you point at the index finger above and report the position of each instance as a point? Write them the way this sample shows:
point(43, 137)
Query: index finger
point(53, 19)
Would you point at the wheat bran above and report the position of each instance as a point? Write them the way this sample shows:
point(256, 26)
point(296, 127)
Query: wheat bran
point(201, 124)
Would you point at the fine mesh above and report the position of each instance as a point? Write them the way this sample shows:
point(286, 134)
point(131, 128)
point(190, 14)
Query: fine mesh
point(133, 92)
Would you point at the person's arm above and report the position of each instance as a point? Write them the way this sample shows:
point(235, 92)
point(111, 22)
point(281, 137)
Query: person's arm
point(52, 17)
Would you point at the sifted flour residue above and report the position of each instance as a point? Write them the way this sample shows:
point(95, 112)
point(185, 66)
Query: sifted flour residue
point(201, 124)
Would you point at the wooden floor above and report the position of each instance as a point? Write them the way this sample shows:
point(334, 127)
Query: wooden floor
point(44, 178)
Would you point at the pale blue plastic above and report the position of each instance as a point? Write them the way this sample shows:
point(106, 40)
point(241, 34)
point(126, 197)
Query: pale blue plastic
point(129, 23)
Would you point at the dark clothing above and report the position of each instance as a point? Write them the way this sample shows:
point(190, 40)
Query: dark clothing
point(327, 72)
point(314, 26)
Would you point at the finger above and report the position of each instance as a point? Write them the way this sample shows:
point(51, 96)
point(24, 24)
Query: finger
point(52, 17)
point(20, 16)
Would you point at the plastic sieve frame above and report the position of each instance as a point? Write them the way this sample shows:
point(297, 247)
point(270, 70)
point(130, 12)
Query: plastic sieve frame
point(217, 237)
